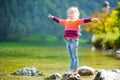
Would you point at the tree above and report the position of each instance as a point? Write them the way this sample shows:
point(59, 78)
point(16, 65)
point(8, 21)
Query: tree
point(106, 30)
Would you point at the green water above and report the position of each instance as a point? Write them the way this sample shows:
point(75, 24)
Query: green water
point(97, 59)
point(50, 59)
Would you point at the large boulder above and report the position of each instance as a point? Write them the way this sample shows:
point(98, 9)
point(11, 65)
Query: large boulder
point(28, 71)
point(108, 75)
point(86, 71)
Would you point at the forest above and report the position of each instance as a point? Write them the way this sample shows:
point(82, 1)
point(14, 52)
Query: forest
point(26, 20)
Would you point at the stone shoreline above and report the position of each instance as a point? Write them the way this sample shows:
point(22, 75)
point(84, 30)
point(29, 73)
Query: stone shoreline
point(113, 52)
point(100, 74)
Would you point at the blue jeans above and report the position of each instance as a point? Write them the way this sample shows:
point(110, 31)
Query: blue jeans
point(72, 47)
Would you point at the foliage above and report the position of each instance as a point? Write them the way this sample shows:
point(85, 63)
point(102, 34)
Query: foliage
point(107, 29)
point(20, 19)
point(117, 42)
point(98, 43)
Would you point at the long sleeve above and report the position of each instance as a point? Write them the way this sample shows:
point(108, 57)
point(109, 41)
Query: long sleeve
point(86, 20)
point(56, 19)
point(59, 21)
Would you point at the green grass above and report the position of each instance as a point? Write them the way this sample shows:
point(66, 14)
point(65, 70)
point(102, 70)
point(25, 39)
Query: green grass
point(47, 59)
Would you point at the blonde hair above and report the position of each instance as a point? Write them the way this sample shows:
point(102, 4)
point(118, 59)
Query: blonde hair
point(75, 10)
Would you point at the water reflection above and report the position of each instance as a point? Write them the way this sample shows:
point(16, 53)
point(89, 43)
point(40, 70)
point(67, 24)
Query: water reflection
point(97, 59)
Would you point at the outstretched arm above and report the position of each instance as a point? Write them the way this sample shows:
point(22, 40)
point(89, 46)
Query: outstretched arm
point(86, 20)
point(54, 18)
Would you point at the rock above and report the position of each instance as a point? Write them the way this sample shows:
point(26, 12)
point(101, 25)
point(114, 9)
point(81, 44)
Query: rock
point(116, 70)
point(107, 75)
point(28, 71)
point(86, 71)
point(56, 76)
point(118, 55)
point(74, 77)
point(118, 51)
point(69, 76)
point(66, 75)
point(111, 51)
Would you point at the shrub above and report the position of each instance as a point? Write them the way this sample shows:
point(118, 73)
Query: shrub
point(117, 43)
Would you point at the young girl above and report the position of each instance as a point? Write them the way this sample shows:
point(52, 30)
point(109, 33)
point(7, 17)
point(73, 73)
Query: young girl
point(71, 33)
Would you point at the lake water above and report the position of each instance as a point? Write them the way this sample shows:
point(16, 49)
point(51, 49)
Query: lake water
point(97, 59)
point(51, 59)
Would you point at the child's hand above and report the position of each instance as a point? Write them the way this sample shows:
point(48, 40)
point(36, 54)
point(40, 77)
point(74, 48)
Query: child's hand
point(95, 19)
point(50, 16)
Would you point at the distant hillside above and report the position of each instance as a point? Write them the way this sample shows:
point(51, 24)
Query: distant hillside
point(23, 18)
